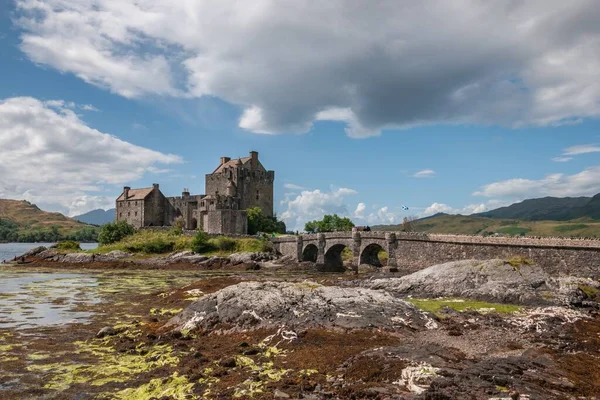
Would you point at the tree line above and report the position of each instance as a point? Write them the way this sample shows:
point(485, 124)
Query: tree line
point(11, 232)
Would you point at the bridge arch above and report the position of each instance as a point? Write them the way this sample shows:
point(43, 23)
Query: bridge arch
point(370, 255)
point(333, 257)
point(310, 253)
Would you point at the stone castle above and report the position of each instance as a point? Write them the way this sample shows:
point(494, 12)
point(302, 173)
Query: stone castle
point(232, 188)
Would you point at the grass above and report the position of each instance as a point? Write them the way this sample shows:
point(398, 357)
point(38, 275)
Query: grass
point(590, 292)
point(514, 230)
point(436, 305)
point(517, 261)
point(157, 242)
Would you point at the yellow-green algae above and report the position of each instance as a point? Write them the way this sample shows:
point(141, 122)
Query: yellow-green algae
point(108, 365)
point(165, 311)
point(435, 305)
point(175, 387)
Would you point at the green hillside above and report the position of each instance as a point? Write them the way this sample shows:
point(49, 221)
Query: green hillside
point(475, 225)
point(549, 209)
point(21, 221)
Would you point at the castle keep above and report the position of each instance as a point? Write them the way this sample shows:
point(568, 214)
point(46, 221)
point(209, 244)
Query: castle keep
point(233, 187)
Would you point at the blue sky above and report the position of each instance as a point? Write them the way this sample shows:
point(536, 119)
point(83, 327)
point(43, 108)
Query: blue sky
point(353, 120)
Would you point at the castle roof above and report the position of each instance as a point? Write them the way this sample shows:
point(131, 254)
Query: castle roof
point(136, 194)
point(233, 163)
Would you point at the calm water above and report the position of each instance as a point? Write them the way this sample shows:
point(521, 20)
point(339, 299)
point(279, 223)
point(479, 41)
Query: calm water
point(10, 250)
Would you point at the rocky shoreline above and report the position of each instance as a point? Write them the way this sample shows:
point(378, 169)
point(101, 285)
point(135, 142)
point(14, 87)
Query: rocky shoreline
point(474, 329)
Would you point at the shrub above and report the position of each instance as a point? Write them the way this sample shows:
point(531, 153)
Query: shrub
point(200, 243)
point(178, 225)
point(114, 231)
point(68, 245)
point(224, 243)
point(254, 245)
point(158, 246)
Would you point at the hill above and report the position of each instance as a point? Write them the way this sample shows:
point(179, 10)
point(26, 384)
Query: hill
point(549, 208)
point(97, 217)
point(476, 225)
point(25, 222)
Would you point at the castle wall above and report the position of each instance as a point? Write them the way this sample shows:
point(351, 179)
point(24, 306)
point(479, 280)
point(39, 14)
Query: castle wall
point(131, 211)
point(257, 191)
point(154, 208)
point(227, 222)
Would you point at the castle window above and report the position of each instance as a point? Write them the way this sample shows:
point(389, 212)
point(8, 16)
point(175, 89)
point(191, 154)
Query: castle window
point(129, 214)
point(257, 195)
point(120, 215)
point(136, 213)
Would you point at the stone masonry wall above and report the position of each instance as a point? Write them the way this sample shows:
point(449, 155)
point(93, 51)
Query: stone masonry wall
point(412, 256)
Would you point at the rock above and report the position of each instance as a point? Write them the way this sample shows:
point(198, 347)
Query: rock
point(118, 254)
point(34, 252)
point(106, 331)
point(78, 258)
point(493, 280)
point(248, 257)
point(255, 305)
point(228, 363)
point(278, 394)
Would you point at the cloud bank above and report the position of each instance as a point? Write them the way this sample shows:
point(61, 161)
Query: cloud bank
point(49, 156)
point(289, 64)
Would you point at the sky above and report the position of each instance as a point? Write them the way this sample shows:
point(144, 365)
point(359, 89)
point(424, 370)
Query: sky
point(361, 108)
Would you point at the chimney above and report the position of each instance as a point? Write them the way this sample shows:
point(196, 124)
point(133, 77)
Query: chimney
point(254, 159)
point(126, 190)
point(224, 160)
point(155, 186)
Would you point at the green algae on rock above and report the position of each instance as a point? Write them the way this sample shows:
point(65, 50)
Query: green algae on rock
point(435, 305)
point(175, 387)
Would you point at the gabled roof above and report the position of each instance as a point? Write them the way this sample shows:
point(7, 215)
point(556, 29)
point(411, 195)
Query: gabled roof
point(233, 163)
point(136, 194)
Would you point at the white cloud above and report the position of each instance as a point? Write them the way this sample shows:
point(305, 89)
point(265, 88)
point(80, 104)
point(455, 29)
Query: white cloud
point(82, 204)
point(360, 210)
point(314, 204)
point(88, 107)
point(584, 183)
point(292, 186)
point(466, 210)
point(438, 208)
point(494, 62)
point(581, 149)
point(51, 157)
point(426, 173)
point(562, 159)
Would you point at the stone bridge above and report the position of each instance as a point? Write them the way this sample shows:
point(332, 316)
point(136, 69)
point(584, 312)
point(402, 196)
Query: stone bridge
point(326, 248)
point(410, 252)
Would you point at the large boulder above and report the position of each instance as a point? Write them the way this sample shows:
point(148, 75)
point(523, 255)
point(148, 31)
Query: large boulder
point(491, 280)
point(254, 305)
point(248, 257)
point(494, 280)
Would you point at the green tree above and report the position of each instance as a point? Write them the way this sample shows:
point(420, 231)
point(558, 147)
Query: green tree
point(258, 222)
point(114, 231)
point(329, 223)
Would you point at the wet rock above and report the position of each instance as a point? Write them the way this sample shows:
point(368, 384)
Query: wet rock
point(278, 394)
point(254, 305)
point(106, 331)
point(228, 363)
point(186, 257)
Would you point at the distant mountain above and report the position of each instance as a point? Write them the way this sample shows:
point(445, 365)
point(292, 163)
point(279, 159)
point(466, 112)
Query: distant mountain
point(549, 209)
point(29, 216)
point(97, 217)
point(474, 225)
